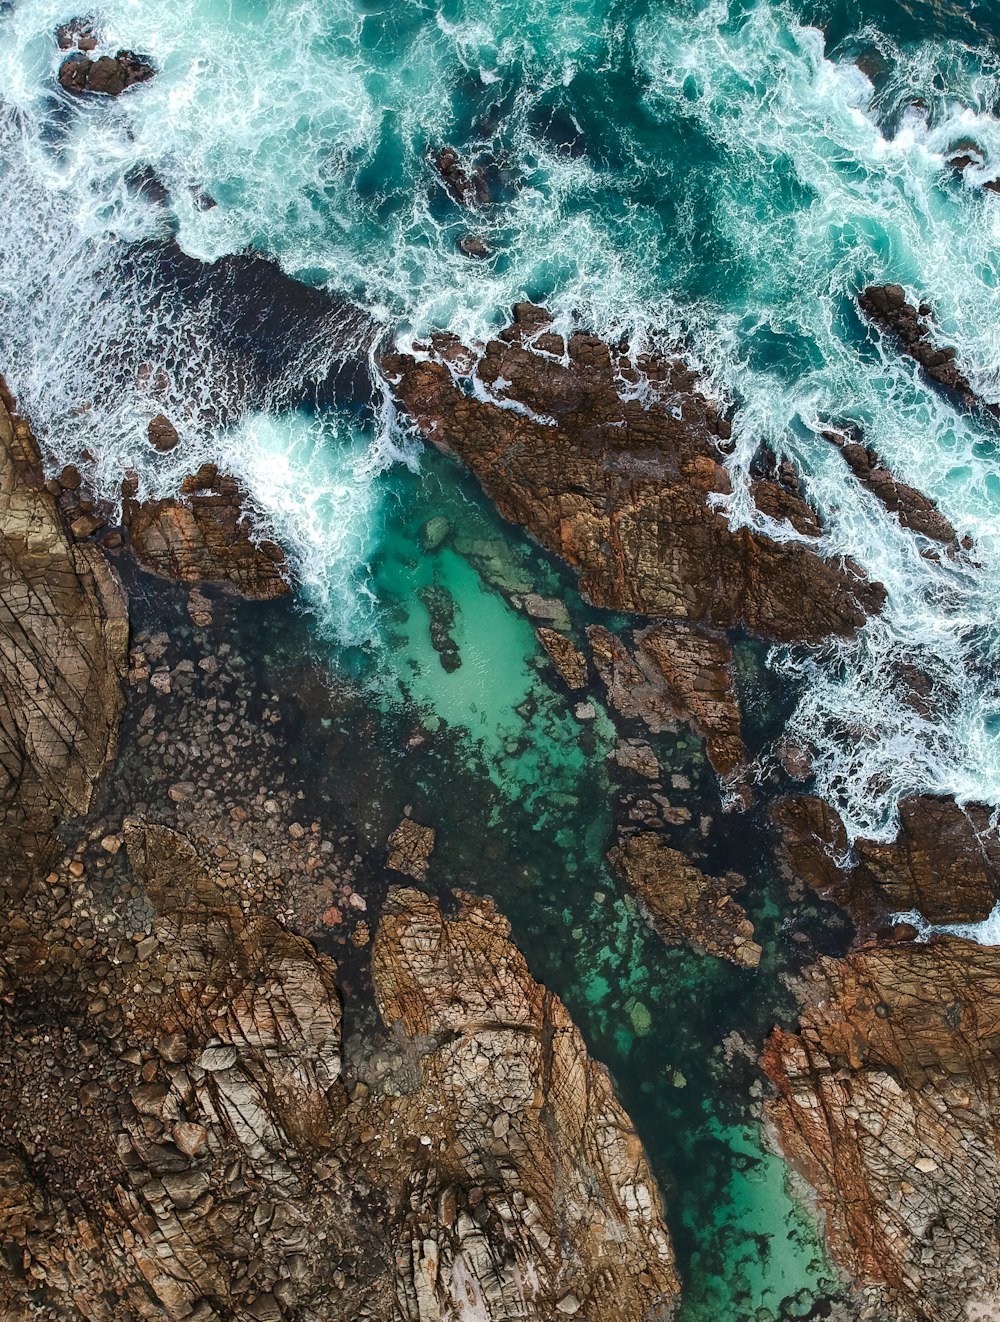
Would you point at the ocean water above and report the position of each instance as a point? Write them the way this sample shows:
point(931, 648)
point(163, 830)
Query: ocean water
point(721, 176)
point(717, 177)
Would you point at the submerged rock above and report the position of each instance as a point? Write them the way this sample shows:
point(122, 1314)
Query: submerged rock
point(63, 643)
point(685, 904)
point(944, 862)
point(205, 538)
point(888, 1102)
point(440, 606)
point(620, 489)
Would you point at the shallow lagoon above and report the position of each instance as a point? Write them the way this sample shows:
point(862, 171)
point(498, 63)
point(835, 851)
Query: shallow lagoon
point(520, 793)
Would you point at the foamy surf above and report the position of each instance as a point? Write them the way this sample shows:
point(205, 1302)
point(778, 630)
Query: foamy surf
point(690, 175)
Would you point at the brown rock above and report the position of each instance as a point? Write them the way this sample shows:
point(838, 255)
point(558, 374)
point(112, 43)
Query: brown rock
point(685, 904)
point(674, 673)
point(913, 509)
point(162, 434)
point(205, 538)
point(567, 658)
point(107, 76)
point(410, 849)
point(888, 1103)
point(886, 305)
point(513, 1071)
point(944, 862)
point(63, 640)
point(620, 490)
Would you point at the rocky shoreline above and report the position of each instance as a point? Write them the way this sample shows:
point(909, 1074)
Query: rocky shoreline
point(265, 1022)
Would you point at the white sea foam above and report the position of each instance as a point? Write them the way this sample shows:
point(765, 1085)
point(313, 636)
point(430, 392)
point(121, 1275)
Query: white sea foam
point(312, 130)
point(985, 933)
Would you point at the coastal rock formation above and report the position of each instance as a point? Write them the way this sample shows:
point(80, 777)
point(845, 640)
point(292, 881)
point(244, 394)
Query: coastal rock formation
point(621, 489)
point(886, 305)
point(913, 509)
point(674, 672)
point(205, 538)
point(888, 1102)
point(569, 661)
point(545, 1204)
point(410, 849)
point(685, 904)
point(63, 642)
point(108, 75)
point(944, 861)
point(215, 1150)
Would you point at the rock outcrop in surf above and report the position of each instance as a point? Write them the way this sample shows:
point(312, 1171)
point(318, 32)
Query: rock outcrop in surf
point(622, 489)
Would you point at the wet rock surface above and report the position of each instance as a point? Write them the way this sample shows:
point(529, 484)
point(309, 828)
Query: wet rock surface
point(205, 536)
point(108, 75)
point(887, 1102)
point(674, 673)
point(684, 903)
point(63, 642)
point(618, 489)
point(944, 862)
point(569, 661)
point(913, 509)
point(887, 306)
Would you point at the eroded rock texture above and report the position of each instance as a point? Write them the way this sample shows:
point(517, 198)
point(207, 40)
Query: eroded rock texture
point(63, 643)
point(674, 672)
point(944, 862)
point(911, 507)
point(179, 1143)
point(887, 306)
point(204, 537)
point(620, 489)
point(685, 904)
point(569, 1219)
point(888, 1102)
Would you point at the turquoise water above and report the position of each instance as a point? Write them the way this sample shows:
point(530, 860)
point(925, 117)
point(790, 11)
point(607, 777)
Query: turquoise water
point(718, 177)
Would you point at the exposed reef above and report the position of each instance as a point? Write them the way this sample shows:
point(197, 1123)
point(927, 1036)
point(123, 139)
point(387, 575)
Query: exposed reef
point(204, 536)
point(887, 1102)
point(621, 488)
point(684, 903)
point(944, 861)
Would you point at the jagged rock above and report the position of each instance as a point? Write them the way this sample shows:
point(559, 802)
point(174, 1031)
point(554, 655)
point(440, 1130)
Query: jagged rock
point(569, 661)
point(440, 607)
point(888, 1102)
point(684, 903)
point(674, 673)
point(410, 849)
point(204, 537)
point(944, 862)
point(620, 489)
point(913, 509)
point(63, 643)
point(886, 305)
point(108, 75)
point(220, 1157)
point(536, 1127)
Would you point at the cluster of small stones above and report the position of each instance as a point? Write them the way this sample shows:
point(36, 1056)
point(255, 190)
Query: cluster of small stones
point(214, 758)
